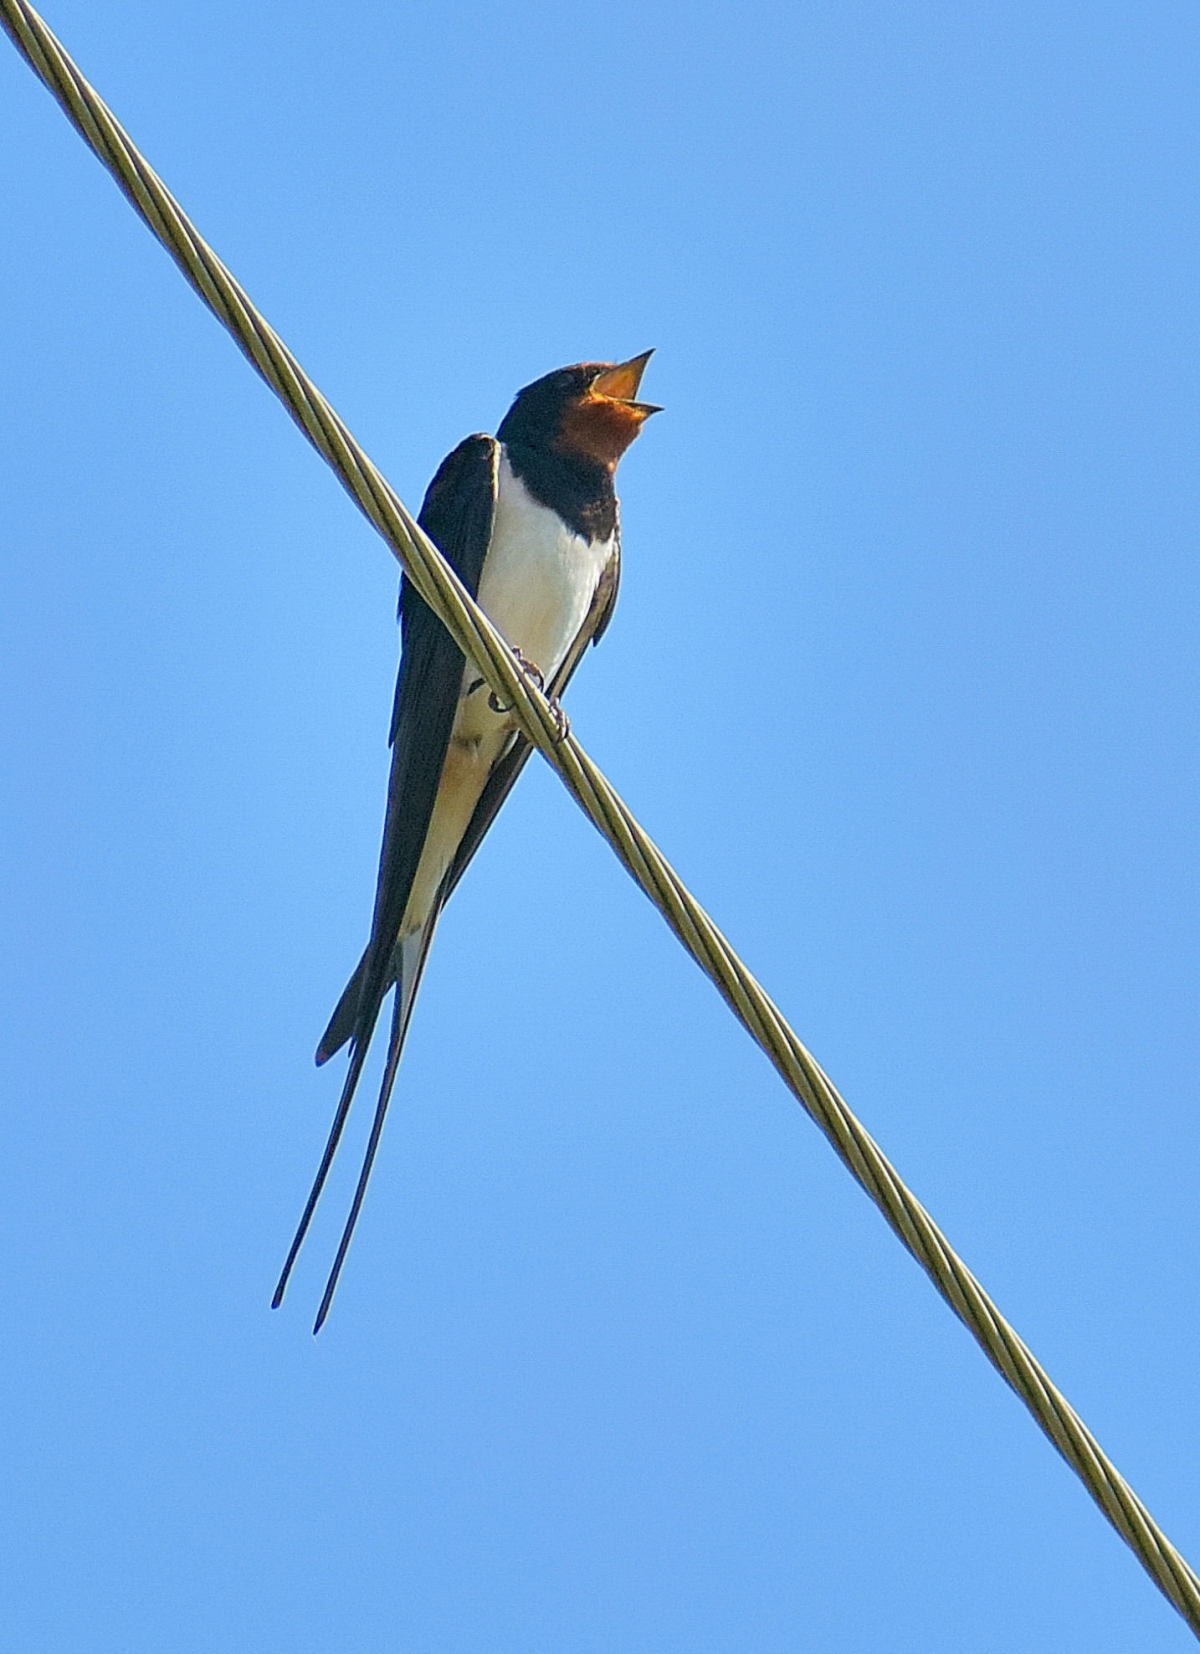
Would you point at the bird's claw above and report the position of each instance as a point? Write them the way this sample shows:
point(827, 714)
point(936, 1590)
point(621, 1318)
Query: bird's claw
point(534, 673)
point(562, 724)
point(530, 669)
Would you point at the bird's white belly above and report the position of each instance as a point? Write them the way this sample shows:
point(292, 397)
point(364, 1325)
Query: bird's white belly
point(539, 578)
point(537, 587)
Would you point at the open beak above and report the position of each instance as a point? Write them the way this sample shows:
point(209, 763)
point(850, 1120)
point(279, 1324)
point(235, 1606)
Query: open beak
point(621, 383)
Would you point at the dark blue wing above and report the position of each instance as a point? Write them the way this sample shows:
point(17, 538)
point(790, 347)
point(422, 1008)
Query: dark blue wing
point(457, 516)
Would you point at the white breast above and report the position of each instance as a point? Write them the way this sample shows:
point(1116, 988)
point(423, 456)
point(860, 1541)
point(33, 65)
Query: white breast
point(538, 583)
point(539, 578)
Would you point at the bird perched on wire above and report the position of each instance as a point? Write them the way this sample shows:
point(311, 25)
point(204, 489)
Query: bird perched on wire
point(529, 521)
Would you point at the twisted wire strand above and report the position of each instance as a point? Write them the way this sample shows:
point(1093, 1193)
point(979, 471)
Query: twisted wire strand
point(479, 640)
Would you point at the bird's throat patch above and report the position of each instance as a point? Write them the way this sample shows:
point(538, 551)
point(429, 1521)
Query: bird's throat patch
point(599, 427)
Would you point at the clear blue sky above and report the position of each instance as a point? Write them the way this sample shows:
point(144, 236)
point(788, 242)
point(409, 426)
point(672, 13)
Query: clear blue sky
point(902, 678)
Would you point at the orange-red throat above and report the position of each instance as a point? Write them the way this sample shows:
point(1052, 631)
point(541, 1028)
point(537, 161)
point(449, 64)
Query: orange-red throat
point(603, 419)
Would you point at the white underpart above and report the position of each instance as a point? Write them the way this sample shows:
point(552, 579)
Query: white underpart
point(537, 587)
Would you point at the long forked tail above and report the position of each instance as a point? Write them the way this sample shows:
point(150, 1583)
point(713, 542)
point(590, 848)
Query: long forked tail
point(414, 951)
point(358, 1056)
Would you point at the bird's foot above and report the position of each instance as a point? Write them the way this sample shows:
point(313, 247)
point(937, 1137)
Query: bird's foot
point(562, 724)
point(534, 673)
point(530, 669)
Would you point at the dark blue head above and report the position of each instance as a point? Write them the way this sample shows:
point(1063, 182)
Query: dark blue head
point(587, 410)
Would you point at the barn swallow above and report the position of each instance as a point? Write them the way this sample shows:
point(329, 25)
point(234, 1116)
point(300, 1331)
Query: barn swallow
point(529, 521)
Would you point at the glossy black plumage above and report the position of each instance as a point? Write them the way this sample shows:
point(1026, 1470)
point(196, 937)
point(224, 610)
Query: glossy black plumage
point(457, 516)
point(558, 448)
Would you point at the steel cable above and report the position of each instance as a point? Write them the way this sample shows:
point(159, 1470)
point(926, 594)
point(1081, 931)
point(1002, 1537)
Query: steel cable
point(480, 641)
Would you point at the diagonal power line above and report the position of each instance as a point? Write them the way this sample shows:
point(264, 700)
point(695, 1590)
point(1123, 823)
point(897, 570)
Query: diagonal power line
point(480, 641)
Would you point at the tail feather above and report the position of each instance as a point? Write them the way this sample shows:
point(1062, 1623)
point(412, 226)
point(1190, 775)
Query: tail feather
point(405, 971)
point(345, 1014)
point(358, 1056)
point(414, 951)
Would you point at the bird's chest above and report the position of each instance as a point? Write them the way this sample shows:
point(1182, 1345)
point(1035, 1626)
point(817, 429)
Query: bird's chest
point(539, 576)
